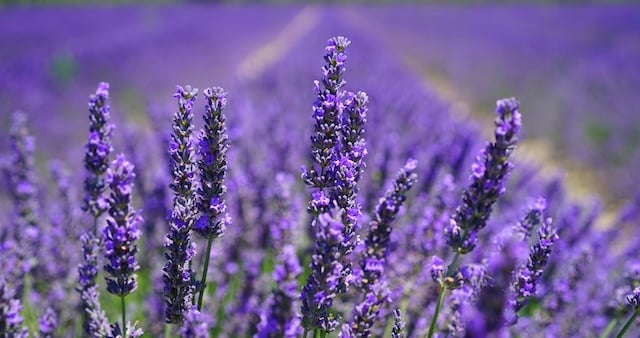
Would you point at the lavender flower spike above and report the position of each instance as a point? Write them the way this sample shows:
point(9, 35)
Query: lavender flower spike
point(487, 180)
point(48, 323)
point(371, 280)
point(323, 285)
point(121, 232)
point(178, 275)
point(10, 308)
point(97, 150)
point(24, 194)
point(95, 321)
point(327, 109)
point(526, 277)
point(195, 325)
point(213, 145)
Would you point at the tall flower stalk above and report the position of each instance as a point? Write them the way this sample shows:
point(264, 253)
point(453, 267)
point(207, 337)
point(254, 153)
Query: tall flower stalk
point(178, 272)
point(213, 144)
point(488, 178)
point(337, 152)
point(96, 156)
point(121, 233)
point(371, 277)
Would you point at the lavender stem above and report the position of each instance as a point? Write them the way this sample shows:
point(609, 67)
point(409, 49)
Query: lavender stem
point(205, 268)
point(627, 325)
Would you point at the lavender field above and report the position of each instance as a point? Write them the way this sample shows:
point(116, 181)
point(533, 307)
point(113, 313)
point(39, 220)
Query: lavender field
point(319, 171)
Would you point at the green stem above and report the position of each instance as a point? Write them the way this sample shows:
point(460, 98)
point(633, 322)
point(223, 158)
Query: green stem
point(317, 333)
point(627, 325)
point(205, 268)
point(95, 227)
point(167, 330)
point(304, 334)
point(609, 328)
point(434, 320)
point(443, 290)
point(124, 316)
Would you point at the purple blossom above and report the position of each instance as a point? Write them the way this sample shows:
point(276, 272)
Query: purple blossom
point(527, 276)
point(372, 280)
point(327, 110)
point(95, 322)
point(121, 232)
point(323, 285)
point(195, 325)
point(48, 323)
point(10, 312)
point(487, 180)
point(213, 146)
point(97, 150)
point(179, 286)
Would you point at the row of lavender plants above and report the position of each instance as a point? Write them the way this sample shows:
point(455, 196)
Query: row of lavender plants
point(578, 78)
point(395, 233)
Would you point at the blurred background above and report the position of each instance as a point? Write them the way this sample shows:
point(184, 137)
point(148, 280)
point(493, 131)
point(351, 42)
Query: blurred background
point(574, 66)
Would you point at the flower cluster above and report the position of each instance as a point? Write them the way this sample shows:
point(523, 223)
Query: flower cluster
point(121, 232)
point(180, 249)
point(213, 145)
point(487, 180)
point(97, 150)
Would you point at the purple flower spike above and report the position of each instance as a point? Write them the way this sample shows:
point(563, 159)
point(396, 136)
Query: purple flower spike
point(121, 232)
point(526, 277)
point(372, 281)
point(195, 325)
point(323, 285)
point(178, 274)
point(97, 150)
point(95, 321)
point(48, 323)
point(327, 110)
point(213, 146)
point(488, 179)
point(10, 312)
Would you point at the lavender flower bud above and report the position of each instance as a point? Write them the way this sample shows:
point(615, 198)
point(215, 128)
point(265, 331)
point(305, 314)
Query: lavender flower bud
point(398, 325)
point(488, 179)
point(48, 323)
point(121, 231)
point(213, 146)
point(633, 298)
point(97, 150)
point(131, 331)
point(437, 269)
point(195, 325)
point(178, 274)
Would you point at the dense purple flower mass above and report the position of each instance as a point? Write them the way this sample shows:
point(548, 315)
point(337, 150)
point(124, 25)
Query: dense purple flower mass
point(354, 249)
